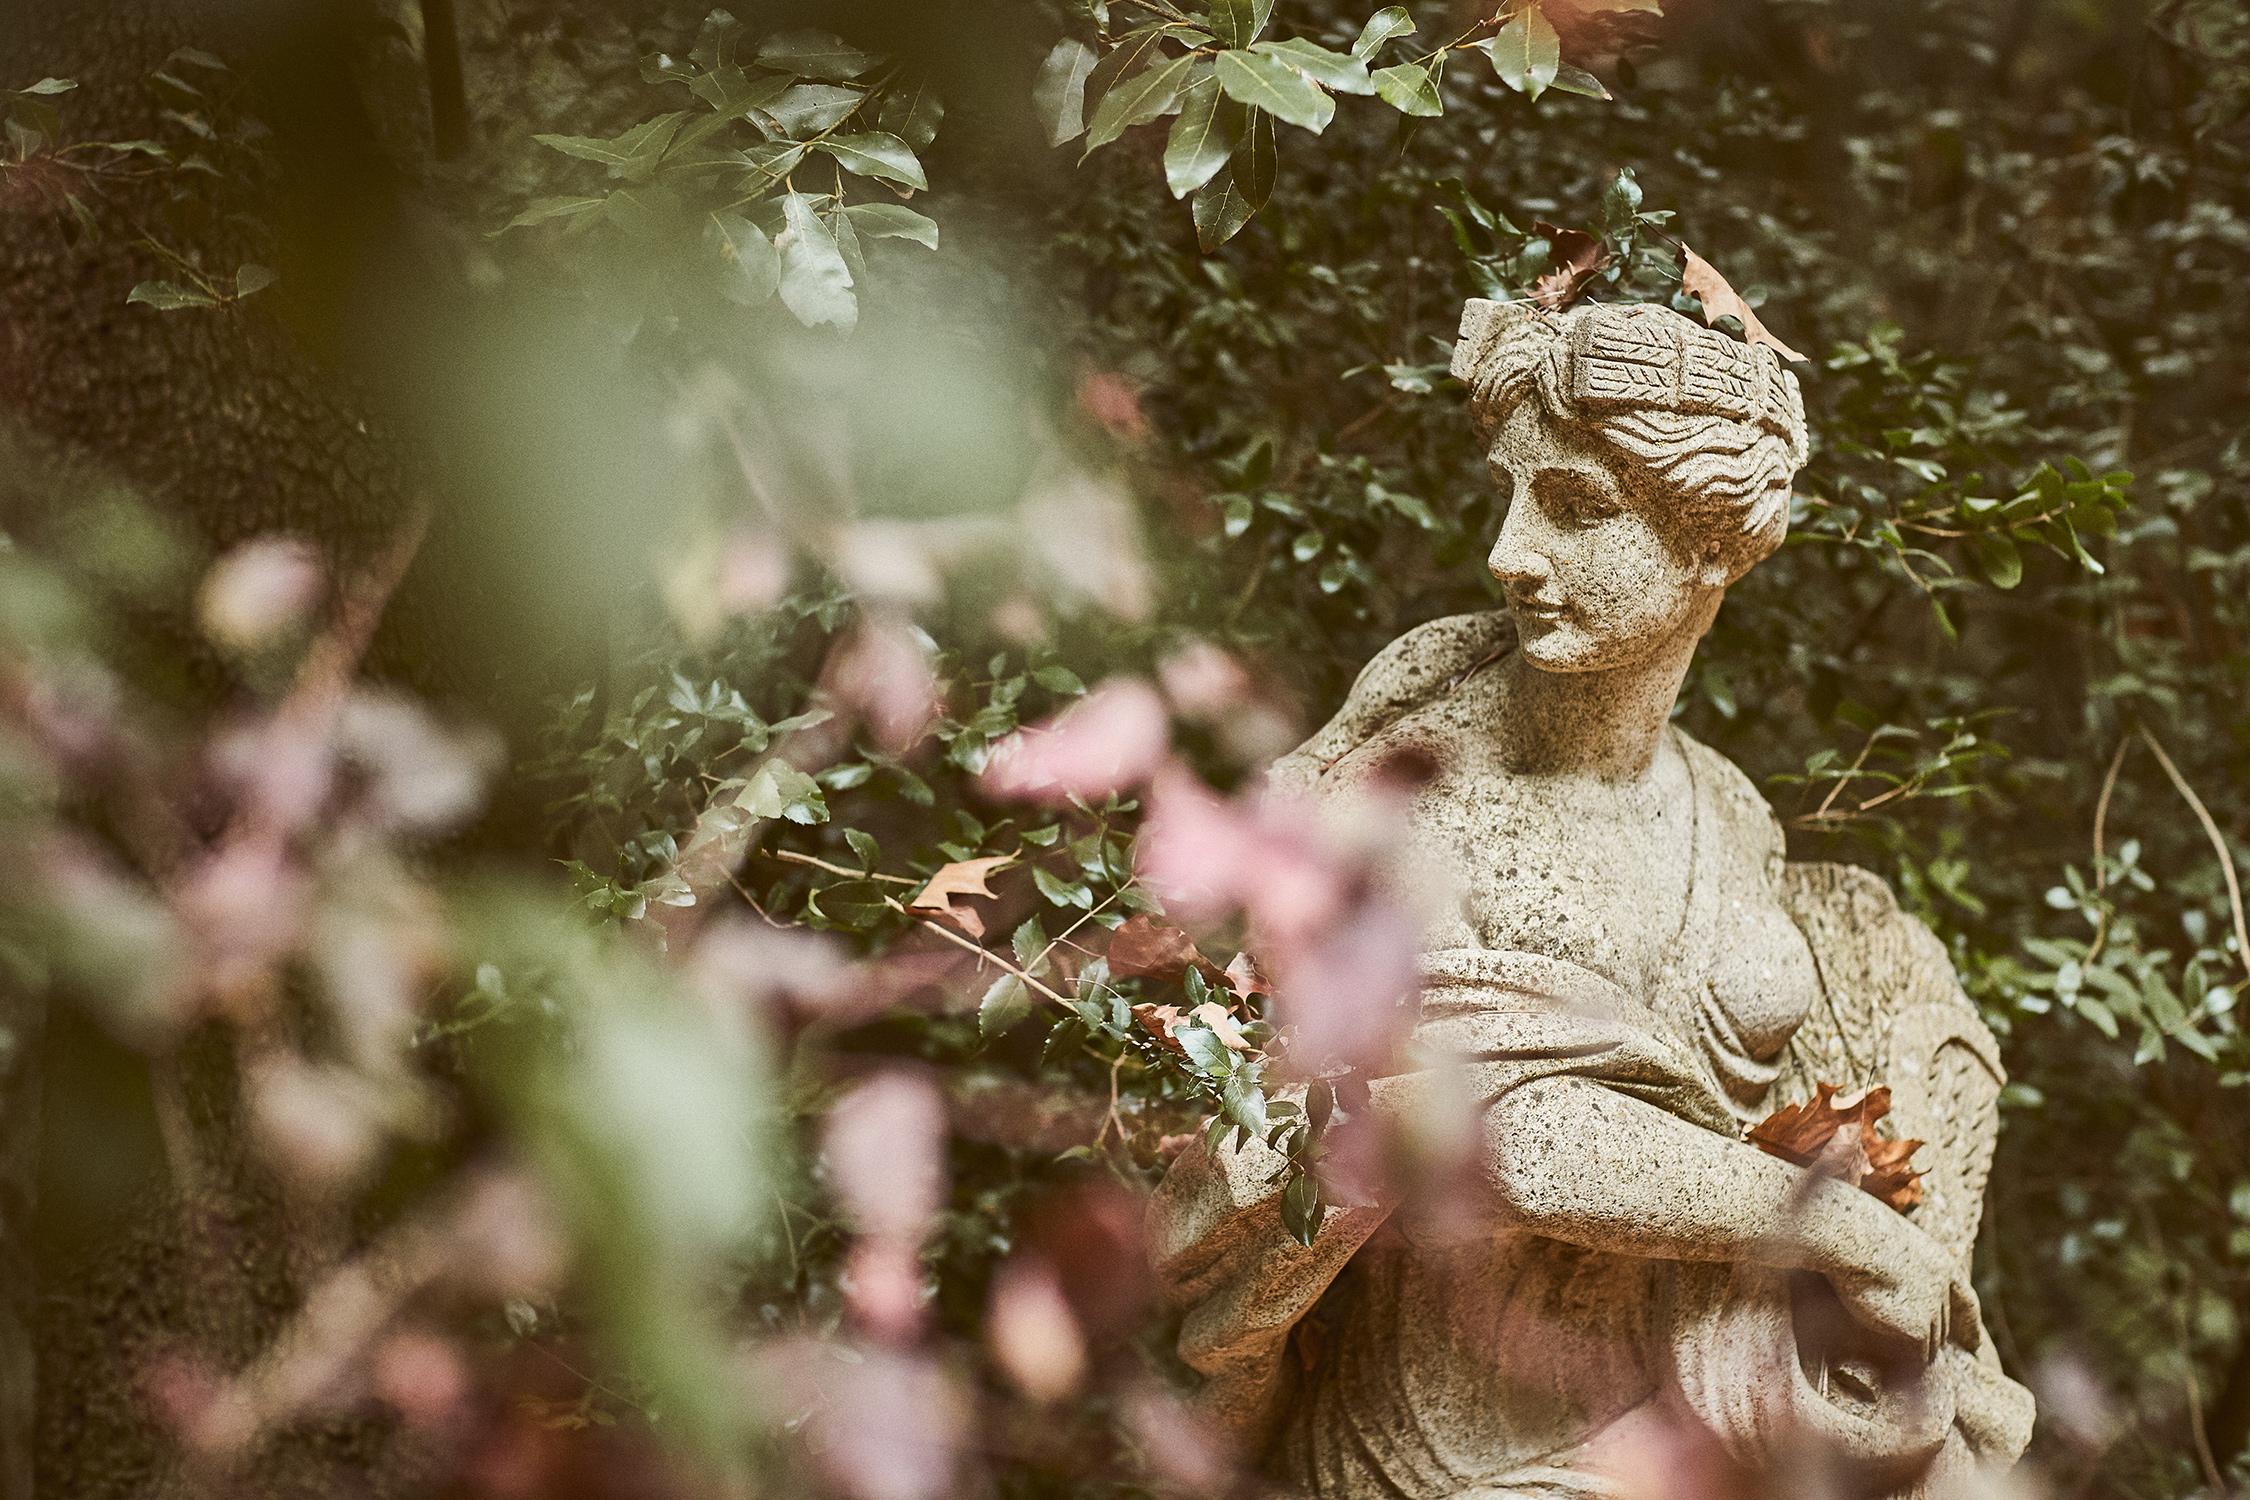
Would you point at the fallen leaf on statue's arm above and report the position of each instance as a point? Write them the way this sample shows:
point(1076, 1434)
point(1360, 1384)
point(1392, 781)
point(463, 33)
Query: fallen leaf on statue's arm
point(963, 877)
point(1699, 279)
point(1836, 1138)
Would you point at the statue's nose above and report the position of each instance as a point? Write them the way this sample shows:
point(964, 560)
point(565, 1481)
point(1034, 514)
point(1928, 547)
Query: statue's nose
point(1513, 559)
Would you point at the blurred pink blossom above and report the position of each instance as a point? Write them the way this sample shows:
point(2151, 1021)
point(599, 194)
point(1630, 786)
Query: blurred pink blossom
point(1112, 739)
point(422, 1377)
point(261, 591)
point(1034, 1336)
point(883, 1424)
point(884, 1148)
point(884, 673)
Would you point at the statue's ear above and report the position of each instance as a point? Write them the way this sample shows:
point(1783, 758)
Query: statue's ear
point(1718, 568)
point(1483, 324)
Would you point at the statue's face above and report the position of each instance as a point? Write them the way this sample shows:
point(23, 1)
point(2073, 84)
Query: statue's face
point(1591, 581)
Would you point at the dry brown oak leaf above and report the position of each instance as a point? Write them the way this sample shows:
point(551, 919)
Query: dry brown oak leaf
point(1836, 1138)
point(1576, 257)
point(963, 877)
point(1700, 280)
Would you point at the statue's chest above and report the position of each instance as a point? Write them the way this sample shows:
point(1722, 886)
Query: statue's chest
point(1596, 878)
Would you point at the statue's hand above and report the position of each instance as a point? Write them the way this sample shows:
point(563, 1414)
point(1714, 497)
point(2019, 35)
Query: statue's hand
point(1904, 1284)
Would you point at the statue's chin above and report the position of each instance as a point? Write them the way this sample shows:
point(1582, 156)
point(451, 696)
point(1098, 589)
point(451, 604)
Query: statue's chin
point(1554, 646)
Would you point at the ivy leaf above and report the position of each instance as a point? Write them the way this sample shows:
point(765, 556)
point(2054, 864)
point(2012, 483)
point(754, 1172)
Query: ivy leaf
point(1060, 92)
point(878, 154)
point(1267, 83)
point(168, 296)
point(753, 265)
point(1003, 1005)
point(779, 790)
point(1391, 21)
point(814, 54)
point(1699, 280)
point(815, 283)
point(892, 221)
point(1526, 52)
point(1237, 23)
point(1138, 100)
point(1335, 70)
point(1410, 89)
point(1202, 138)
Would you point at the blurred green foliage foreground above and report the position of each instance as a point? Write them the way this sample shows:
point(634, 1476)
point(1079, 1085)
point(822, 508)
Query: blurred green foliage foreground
point(538, 955)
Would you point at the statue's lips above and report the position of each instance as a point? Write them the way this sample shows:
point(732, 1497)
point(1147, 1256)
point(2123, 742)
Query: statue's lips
point(1533, 609)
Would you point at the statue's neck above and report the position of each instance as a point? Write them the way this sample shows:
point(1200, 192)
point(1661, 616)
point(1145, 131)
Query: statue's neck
point(1607, 724)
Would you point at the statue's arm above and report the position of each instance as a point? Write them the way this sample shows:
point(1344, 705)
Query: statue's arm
point(1576, 1160)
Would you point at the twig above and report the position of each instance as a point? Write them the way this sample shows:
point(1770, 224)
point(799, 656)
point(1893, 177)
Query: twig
point(790, 856)
point(2218, 842)
point(983, 952)
point(2101, 822)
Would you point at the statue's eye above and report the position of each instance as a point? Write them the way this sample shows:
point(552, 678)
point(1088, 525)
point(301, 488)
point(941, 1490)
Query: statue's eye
point(1574, 499)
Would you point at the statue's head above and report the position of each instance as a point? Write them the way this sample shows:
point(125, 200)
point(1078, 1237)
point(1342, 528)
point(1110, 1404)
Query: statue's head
point(1648, 463)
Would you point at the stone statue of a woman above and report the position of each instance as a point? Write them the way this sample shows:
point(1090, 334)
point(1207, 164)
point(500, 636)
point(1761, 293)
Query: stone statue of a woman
point(1633, 975)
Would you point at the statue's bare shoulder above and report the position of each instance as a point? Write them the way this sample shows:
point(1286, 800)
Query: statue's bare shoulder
point(1419, 666)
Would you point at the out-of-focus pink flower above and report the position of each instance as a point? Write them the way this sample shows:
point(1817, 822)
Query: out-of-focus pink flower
point(753, 572)
point(312, 1122)
point(1182, 1445)
point(1203, 681)
point(884, 673)
point(282, 769)
point(888, 560)
point(246, 903)
point(420, 776)
point(884, 1146)
point(261, 591)
point(1111, 740)
point(510, 1243)
point(422, 1377)
point(1084, 533)
point(883, 1284)
point(745, 966)
point(881, 1423)
point(1111, 400)
point(1033, 1335)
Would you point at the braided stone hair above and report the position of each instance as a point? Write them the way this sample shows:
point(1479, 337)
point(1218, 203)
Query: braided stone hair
point(1705, 431)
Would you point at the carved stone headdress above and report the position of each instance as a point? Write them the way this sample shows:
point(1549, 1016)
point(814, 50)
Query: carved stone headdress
point(1718, 422)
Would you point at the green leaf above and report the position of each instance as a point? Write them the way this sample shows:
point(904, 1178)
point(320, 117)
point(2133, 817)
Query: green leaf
point(540, 210)
point(2000, 558)
point(1121, 61)
point(1204, 1049)
point(1237, 23)
point(779, 790)
point(1059, 94)
point(1526, 52)
point(630, 155)
point(878, 154)
point(1138, 100)
point(167, 296)
point(1258, 81)
point(732, 93)
point(1244, 1102)
point(50, 86)
point(892, 221)
point(1202, 138)
point(857, 904)
point(1389, 22)
point(1228, 201)
point(1571, 79)
point(1301, 1208)
point(814, 54)
point(816, 285)
point(1003, 1005)
point(809, 108)
point(913, 115)
point(1056, 678)
point(1028, 941)
point(863, 844)
point(1336, 70)
point(753, 271)
point(1410, 89)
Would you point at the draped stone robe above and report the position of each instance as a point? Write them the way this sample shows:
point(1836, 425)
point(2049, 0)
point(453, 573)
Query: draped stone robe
point(1494, 1361)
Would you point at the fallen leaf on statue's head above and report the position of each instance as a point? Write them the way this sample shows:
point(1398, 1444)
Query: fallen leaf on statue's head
point(963, 877)
point(1700, 280)
point(1837, 1139)
point(1576, 257)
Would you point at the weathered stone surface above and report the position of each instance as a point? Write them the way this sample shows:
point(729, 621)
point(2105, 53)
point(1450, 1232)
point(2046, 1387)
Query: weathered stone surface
point(1630, 974)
